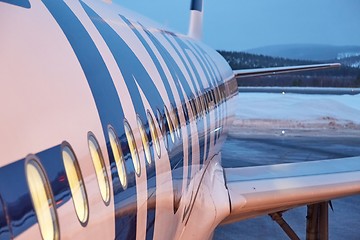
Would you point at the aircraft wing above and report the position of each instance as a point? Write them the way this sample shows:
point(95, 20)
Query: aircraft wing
point(280, 70)
point(260, 190)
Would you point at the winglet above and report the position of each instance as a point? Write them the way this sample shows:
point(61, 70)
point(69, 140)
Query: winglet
point(196, 19)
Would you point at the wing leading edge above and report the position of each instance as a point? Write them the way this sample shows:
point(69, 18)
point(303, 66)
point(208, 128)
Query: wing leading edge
point(281, 70)
point(255, 191)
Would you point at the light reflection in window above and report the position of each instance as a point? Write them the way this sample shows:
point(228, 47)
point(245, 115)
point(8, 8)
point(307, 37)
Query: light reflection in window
point(42, 199)
point(132, 146)
point(76, 183)
point(144, 140)
point(170, 124)
point(154, 134)
point(118, 156)
point(161, 122)
point(100, 169)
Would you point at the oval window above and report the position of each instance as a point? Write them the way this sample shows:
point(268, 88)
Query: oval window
point(203, 98)
point(199, 106)
point(191, 107)
point(76, 183)
point(161, 122)
point(42, 199)
point(212, 96)
point(132, 146)
point(207, 97)
point(118, 156)
point(216, 95)
point(176, 121)
point(100, 169)
point(154, 134)
point(193, 102)
point(208, 101)
point(202, 104)
point(170, 124)
point(144, 140)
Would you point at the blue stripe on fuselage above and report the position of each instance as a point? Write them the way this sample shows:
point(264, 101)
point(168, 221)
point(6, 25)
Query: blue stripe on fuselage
point(151, 172)
point(178, 76)
point(19, 3)
point(132, 68)
point(209, 72)
point(201, 126)
point(216, 71)
point(106, 99)
point(16, 195)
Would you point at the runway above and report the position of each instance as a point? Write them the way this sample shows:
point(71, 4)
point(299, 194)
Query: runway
point(277, 127)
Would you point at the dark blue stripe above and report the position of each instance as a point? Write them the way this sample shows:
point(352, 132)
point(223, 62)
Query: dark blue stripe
point(217, 73)
point(201, 127)
point(204, 53)
point(212, 84)
point(162, 75)
point(129, 64)
point(214, 68)
point(151, 174)
point(178, 76)
point(190, 95)
point(209, 71)
point(150, 224)
point(196, 5)
point(186, 66)
point(153, 57)
point(205, 65)
point(15, 192)
point(5, 230)
point(175, 72)
point(106, 99)
point(131, 67)
point(19, 3)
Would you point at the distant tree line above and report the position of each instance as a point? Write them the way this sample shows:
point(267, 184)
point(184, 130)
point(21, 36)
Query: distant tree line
point(340, 77)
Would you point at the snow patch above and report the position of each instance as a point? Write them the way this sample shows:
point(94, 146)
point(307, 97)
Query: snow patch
point(297, 111)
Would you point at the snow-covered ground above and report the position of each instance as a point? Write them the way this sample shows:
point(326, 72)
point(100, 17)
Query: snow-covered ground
point(281, 112)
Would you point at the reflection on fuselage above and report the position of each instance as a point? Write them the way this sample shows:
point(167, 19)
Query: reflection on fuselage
point(169, 125)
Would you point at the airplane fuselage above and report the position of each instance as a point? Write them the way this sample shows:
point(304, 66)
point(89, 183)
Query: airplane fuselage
point(109, 123)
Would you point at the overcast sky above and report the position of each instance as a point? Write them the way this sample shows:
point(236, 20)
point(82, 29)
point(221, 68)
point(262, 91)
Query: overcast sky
point(246, 24)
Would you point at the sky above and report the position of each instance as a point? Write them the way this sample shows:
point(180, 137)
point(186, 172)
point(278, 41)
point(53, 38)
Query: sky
point(245, 24)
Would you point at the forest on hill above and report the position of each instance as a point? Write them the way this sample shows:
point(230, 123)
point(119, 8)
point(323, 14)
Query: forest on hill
point(344, 76)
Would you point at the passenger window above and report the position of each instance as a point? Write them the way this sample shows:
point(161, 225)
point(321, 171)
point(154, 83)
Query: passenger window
point(191, 103)
point(42, 199)
point(207, 101)
point(132, 146)
point(170, 124)
point(76, 183)
point(161, 122)
point(194, 107)
point(154, 135)
point(144, 140)
point(100, 169)
point(216, 94)
point(198, 106)
point(118, 156)
point(176, 121)
point(202, 100)
point(209, 97)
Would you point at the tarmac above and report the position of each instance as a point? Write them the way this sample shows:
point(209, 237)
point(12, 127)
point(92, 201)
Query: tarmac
point(252, 148)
